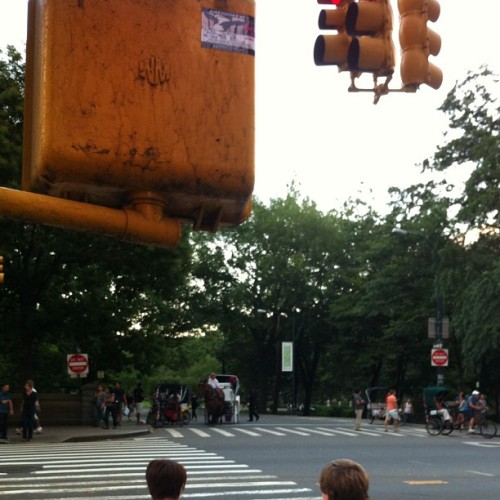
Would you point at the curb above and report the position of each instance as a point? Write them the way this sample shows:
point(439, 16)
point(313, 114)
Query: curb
point(106, 437)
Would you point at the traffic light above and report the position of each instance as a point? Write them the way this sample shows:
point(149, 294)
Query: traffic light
point(418, 42)
point(2, 275)
point(364, 40)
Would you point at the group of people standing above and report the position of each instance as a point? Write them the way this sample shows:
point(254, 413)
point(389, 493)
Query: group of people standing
point(29, 408)
point(114, 402)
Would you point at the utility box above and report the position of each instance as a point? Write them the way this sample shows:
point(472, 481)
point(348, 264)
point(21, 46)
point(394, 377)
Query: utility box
point(139, 98)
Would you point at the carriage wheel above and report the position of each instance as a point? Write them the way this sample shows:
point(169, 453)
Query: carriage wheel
point(434, 426)
point(447, 428)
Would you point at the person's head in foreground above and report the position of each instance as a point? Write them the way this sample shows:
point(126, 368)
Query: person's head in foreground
point(166, 479)
point(344, 479)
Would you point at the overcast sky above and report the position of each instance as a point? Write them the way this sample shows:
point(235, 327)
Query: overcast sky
point(335, 144)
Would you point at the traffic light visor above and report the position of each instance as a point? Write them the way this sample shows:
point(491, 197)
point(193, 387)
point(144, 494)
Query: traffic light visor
point(431, 7)
point(331, 50)
point(366, 18)
point(413, 32)
point(416, 70)
point(332, 19)
point(371, 55)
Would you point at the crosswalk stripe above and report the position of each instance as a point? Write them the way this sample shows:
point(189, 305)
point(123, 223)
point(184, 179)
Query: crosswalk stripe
point(199, 432)
point(317, 431)
point(269, 431)
point(246, 431)
point(223, 432)
point(292, 431)
point(344, 432)
point(174, 433)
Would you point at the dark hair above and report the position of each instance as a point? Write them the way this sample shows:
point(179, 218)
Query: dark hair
point(344, 480)
point(165, 478)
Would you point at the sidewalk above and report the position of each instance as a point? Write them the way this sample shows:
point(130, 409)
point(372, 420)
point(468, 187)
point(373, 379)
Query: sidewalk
point(76, 433)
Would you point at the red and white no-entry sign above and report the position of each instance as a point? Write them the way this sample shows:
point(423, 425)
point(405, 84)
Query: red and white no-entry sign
point(78, 365)
point(439, 357)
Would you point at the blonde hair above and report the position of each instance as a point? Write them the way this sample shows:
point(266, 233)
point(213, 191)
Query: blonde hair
point(344, 479)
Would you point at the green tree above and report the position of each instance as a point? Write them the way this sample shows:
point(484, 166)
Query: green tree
point(67, 291)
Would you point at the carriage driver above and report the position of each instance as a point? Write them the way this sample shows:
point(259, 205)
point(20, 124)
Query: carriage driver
point(213, 383)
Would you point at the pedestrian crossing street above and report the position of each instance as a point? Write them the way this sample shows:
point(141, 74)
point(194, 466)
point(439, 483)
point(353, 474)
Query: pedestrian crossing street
point(331, 431)
point(115, 470)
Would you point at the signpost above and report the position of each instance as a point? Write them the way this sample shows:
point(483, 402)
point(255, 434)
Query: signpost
point(439, 357)
point(78, 365)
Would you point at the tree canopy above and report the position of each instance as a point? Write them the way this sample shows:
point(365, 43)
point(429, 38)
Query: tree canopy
point(352, 296)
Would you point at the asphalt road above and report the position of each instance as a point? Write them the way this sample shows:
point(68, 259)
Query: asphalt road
point(409, 465)
point(278, 457)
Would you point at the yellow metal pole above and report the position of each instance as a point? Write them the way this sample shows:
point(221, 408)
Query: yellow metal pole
point(145, 225)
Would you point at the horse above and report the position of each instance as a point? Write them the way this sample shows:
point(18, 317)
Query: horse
point(214, 402)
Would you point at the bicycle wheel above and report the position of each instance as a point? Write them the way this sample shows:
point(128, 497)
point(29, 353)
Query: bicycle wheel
point(434, 426)
point(488, 429)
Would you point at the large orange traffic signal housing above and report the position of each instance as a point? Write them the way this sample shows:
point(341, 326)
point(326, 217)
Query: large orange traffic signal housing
point(418, 42)
point(2, 275)
point(144, 108)
point(364, 39)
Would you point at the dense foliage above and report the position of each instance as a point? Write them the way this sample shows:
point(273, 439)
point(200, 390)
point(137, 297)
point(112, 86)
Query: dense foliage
point(354, 296)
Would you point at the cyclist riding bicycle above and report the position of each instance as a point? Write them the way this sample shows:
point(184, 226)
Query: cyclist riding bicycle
point(474, 408)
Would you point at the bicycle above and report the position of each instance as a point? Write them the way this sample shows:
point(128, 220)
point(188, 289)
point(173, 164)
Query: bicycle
point(487, 428)
point(435, 424)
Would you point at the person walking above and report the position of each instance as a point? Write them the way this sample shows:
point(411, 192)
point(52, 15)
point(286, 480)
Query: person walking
point(139, 403)
point(111, 408)
point(6, 409)
point(99, 406)
point(194, 405)
point(391, 410)
point(30, 404)
point(37, 425)
point(120, 401)
point(252, 406)
point(359, 405)
point(408, 410)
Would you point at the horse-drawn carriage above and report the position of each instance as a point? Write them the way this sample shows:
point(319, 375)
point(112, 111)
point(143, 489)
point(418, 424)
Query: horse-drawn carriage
point(222, 404)
point(170, 405)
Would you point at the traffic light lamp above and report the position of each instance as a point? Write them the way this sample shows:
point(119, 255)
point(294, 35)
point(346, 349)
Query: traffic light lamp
point(418, 42)
point(364, 40)
point(2, 275)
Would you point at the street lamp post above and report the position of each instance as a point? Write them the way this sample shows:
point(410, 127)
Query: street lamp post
point(438, 324)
